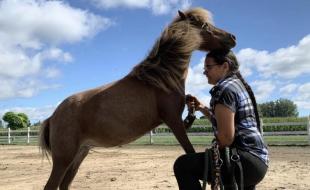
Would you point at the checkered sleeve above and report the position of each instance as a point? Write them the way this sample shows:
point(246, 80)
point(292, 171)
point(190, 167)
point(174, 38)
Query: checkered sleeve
point(228, 98)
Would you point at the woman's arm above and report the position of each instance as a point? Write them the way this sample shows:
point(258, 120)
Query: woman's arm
point(204, 110)
point(225, 125)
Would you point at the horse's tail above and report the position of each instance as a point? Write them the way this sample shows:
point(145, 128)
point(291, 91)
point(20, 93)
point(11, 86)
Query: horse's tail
point(44, 142)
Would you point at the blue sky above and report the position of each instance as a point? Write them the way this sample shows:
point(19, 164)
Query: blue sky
point(52, 49)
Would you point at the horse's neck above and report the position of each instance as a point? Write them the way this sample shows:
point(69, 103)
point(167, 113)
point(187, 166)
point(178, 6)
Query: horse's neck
point(165, 67)
point(178, 61)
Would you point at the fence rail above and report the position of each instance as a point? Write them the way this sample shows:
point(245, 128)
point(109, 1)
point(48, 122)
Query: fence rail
point(30, 136)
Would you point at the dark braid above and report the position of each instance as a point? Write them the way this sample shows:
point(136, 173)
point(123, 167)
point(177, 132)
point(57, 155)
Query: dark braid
point(222, 56)
point(253, 99)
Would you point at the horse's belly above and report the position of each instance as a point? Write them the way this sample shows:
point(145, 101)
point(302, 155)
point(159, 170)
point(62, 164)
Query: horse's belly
point(116, 131)
point(115, 135)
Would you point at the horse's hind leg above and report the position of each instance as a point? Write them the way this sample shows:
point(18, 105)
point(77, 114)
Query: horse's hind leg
point(73, 169)
point(62, 158)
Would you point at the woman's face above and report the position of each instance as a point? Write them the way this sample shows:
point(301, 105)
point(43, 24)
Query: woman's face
point(213, 71)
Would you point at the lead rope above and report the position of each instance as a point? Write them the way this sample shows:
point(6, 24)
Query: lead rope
point(217, 163)
point(216, 182)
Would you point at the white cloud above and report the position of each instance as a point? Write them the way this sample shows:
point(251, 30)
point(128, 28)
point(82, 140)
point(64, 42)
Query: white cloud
point(122, 3)
point(304, 92)
point(15, 63)
point(22, 87)
point(51, 72)
point(262, 89)
point(286, 63)
point(303, 105)
point(288, 89)
point(56, 54)
point(158, 7)
point(30, 32)
point(34, 114)
point(51, 22)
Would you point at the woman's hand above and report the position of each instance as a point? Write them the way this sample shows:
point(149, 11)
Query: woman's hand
point(193, 103)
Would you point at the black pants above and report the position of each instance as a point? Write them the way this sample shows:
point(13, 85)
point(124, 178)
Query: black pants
point(189, 169)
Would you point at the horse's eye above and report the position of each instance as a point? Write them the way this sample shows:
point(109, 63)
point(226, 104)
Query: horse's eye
point(205, 26)
point(191, 18)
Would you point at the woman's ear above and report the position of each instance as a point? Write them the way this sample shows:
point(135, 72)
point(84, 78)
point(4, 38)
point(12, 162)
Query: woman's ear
point(226, 66)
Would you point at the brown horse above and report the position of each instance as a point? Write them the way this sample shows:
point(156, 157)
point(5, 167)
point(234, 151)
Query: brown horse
point(120, 112)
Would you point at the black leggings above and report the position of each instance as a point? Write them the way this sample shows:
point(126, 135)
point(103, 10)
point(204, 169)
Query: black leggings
point(189, 169)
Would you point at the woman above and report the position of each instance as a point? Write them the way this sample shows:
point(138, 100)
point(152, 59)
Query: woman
point(235, 120)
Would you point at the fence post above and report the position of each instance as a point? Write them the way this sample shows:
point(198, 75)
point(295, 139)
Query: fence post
point(308, 129)
point(151, 137)
point(28, 135)
point(9, 135)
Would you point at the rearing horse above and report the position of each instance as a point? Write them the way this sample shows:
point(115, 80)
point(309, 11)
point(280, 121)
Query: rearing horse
point(121, 112)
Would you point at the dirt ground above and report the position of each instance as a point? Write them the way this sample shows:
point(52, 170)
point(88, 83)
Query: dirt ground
point(139, 167)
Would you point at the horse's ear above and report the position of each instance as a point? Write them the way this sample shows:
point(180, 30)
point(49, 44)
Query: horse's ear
point(182, 15)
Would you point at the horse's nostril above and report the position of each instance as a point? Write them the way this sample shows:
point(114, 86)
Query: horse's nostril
point(233, 36)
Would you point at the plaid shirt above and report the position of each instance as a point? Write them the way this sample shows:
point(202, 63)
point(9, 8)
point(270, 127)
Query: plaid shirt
point(232, 93)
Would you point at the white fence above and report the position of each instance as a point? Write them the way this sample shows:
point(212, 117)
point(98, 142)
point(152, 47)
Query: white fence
point(30, 136)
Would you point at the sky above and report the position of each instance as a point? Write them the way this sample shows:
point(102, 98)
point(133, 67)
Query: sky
point(52, 49)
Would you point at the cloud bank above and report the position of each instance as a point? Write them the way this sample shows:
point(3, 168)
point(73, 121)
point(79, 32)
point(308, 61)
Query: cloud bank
point(31, 33)
point(158, 7)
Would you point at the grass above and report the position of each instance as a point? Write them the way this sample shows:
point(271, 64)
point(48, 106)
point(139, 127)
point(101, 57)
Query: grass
point(206, 140)
point(287, 140)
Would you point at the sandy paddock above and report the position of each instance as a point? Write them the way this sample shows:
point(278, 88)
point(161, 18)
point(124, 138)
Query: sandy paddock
point(139, 167)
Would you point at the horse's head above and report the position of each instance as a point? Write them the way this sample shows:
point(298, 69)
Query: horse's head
point(211, 36)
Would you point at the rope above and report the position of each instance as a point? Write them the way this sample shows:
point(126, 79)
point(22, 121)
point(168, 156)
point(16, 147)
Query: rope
point(217, 163)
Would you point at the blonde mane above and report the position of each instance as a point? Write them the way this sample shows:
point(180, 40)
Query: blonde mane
point(166, 65)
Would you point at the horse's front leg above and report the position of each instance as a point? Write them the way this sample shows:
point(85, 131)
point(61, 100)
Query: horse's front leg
point(170, 110)
point(178, 129)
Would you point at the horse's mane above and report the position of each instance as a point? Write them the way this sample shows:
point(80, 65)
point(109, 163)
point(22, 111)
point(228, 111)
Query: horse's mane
point(166, 65)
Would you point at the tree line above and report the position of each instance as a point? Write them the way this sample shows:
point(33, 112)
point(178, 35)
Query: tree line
point(277, 108)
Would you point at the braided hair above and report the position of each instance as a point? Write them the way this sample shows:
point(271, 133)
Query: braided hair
point(222, 56)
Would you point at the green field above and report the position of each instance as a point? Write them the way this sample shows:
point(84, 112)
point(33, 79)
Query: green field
point(292, 140)
point(206, 140)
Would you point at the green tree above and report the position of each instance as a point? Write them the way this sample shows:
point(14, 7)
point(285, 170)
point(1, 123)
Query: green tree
point(1, 124)
point(26, 121)
point(279, 108)
point(16, 121)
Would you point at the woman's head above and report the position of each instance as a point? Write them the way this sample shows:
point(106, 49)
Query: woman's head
point(218, 64)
